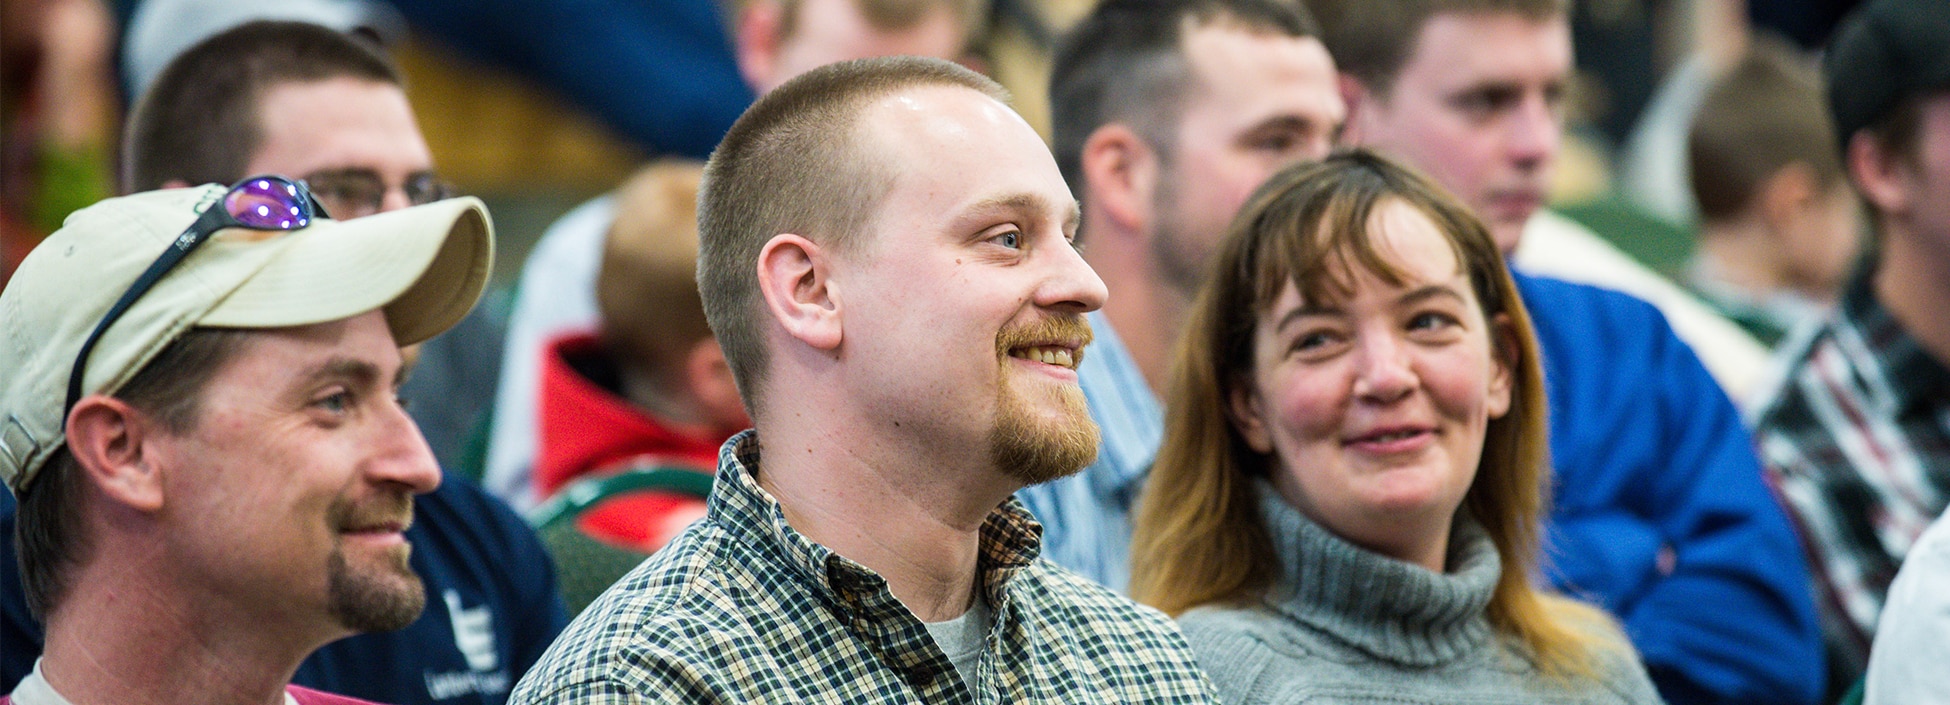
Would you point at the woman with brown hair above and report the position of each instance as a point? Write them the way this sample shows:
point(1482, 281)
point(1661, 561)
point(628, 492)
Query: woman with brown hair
point(1347, 501)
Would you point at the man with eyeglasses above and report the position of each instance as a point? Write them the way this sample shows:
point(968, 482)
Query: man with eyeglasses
point(201, 423)
point(303, 100)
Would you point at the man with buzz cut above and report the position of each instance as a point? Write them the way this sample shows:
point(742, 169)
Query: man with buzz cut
point(202, 426)
point(1659, 513)
point(887, 263)
point(1166, 115)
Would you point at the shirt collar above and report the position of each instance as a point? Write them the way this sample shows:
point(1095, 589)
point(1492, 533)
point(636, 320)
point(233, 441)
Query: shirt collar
point(1011, 539)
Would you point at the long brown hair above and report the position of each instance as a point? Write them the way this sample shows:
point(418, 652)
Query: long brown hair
point(1199, 537)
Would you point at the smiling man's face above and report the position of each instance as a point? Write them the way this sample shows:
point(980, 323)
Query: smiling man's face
point(964, 303)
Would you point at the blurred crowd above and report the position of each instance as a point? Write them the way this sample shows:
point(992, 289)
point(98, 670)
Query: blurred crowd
point(1704, 251)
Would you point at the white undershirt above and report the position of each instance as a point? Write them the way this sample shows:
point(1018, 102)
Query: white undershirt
point(964, 639)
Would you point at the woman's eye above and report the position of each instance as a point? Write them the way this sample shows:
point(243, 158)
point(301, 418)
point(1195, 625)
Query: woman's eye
point(1430, 321)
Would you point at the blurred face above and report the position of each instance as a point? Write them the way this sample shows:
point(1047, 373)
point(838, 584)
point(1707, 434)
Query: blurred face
point(1374, 409)
point(1477, 106)
point(1258, 102)
point(295, 487)
point(830, 31)
point(964, 311)
point(1820, 244)
point(1927, 183)
point(354, 140)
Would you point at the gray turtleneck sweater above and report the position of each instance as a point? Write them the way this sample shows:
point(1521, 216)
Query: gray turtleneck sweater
point(1347, 625)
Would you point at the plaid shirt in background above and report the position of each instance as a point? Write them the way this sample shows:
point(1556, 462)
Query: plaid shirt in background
point(1857, 439)
point(743, 609)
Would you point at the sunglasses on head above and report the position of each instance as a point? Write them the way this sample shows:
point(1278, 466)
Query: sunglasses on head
point(271, 203)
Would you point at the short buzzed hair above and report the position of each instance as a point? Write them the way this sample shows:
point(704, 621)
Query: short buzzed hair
point(1125, 63)
point(1764, 115)
point(795, 163)
point(199, 122)
point(1371, 39)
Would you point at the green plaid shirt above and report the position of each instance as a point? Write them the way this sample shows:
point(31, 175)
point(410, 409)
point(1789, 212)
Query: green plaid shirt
point(743, 609)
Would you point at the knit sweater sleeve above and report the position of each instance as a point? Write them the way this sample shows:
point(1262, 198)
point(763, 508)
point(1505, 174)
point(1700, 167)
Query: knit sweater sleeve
point(1233, 656)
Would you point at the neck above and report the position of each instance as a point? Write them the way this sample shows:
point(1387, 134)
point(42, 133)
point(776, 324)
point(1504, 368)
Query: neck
point(1909, 282)
point(122, 636)
point(846, 491)
point(1147, 311)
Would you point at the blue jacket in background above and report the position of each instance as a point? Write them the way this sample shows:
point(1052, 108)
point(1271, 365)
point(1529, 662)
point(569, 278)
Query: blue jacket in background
point(492, 609)
point(1661, 513)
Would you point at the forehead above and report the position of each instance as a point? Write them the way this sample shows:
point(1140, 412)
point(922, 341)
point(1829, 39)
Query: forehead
point(1234, 66)
point(338, 123)
point(837, 30)
point(1399, 247)
point(950, 148)
point(1457, 49)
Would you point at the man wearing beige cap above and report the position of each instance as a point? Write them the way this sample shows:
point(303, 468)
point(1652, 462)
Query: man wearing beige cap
point(200, 423)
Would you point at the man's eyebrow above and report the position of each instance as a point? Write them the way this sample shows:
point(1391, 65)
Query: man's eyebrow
point(1027, 204)
point(358, 372)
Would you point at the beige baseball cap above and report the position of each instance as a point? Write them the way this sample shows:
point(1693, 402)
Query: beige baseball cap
point(425, 266)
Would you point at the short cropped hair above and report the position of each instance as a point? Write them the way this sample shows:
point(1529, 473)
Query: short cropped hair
point(50, 535)
point(1764, 115)
point(1125, 63)
point(647, 287)
point(199, 122)
point(1371, 39)
point(795, 162)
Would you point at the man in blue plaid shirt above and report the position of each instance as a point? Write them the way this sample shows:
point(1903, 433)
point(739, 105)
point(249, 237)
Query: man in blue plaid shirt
point(887, 262)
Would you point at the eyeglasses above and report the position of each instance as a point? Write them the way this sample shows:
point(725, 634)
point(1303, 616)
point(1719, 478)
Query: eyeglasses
point(356, 193)
point(258, 203)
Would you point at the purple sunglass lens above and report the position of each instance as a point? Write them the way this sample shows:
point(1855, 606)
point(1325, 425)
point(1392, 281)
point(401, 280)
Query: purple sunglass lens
point(267, 204)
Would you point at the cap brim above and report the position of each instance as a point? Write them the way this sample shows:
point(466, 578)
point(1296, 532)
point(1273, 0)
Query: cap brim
point(426, 266)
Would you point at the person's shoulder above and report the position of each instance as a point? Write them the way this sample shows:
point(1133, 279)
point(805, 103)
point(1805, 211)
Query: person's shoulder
point(1086, 603)
point(1135, 649)
point(1553, 301)
point(662, 619)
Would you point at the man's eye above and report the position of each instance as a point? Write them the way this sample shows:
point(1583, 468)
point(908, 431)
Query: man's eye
point(336, 402)
point(1011, 239)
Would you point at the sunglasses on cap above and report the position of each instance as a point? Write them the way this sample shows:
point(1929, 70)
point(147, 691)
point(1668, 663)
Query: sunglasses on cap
point(270, 203)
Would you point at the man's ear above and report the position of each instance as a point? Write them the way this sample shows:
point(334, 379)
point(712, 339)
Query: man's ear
point(1242, 408)
point(1883, 178)
point(1503, 365)
point(110, 441)
point(1120, 176)
point(1787, 193)
point(1360, 108)
point(795, 276)
point(755, 42)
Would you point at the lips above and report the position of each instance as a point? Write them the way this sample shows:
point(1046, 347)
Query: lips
point(1391, 439)
point(1056, 340)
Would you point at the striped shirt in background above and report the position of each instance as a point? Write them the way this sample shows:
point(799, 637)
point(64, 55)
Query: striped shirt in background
point(1856, 437)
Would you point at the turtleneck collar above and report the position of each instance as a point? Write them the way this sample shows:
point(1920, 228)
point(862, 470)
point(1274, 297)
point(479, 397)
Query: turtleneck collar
point(1391, 610)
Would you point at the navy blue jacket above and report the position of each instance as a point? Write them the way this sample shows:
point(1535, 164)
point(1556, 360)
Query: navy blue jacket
point(1661, 513)
point(492, 609)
